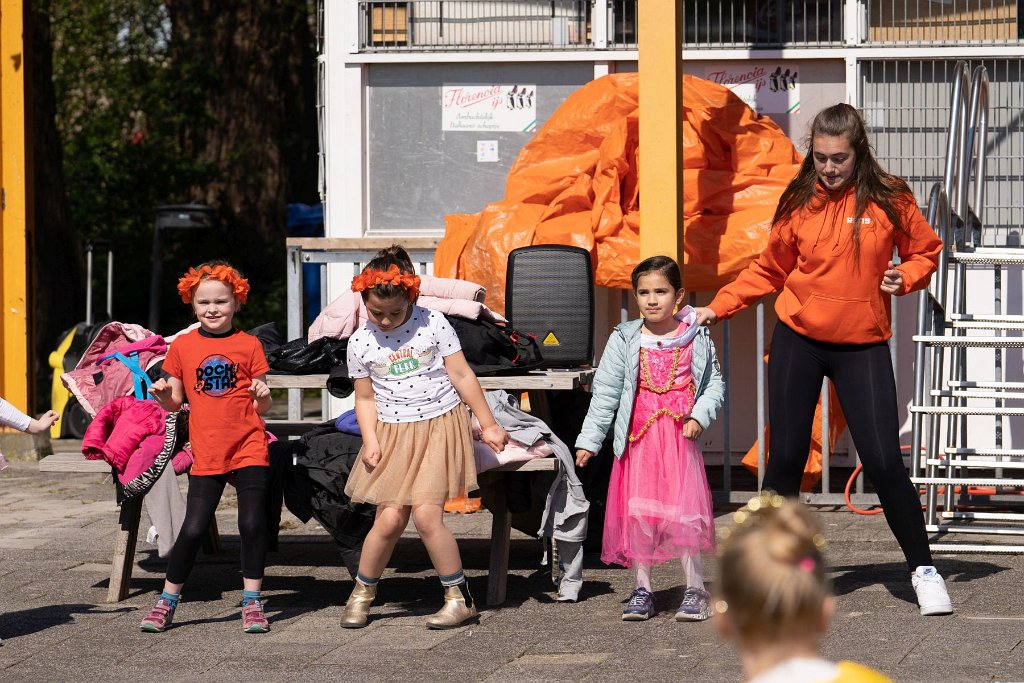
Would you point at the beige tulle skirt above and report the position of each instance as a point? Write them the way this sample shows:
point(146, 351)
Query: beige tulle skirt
point(428, 461)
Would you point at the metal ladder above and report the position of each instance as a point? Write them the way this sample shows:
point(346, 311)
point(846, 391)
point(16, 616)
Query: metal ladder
point(942, 460)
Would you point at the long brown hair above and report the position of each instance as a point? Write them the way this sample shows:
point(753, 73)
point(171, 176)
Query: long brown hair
point(871, 183)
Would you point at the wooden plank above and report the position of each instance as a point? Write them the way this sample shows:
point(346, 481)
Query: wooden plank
point(73, 462)
point(535, 465)
point(361, 243)
point(275, 381)
point(501, 534)
point(534, 381)
point(124, 549)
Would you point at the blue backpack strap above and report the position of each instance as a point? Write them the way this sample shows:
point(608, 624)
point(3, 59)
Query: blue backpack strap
point(139, 376)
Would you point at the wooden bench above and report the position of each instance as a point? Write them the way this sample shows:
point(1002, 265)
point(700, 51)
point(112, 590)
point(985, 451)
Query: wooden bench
point(123, 561)
point(536, 383)
point(501, 524)
point(129, 517)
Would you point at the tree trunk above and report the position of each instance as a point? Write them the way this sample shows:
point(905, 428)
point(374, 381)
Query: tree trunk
point(55, 256)
point(250, 66)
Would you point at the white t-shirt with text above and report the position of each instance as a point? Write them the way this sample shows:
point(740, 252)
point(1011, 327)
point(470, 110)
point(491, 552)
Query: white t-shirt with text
point(406, 366)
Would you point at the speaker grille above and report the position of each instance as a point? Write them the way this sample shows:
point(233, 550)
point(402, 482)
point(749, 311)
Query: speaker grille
point(549, 293)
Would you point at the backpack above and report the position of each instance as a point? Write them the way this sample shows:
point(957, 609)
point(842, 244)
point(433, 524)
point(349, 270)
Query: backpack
point(495, 349)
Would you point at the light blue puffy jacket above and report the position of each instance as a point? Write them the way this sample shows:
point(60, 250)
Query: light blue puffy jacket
point(614, 387)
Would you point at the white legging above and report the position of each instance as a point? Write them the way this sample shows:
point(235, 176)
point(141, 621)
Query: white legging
point(692, 571)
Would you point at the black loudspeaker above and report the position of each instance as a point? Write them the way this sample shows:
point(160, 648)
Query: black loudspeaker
point(549, 293)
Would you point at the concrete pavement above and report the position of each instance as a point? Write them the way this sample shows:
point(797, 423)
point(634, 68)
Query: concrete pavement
point(56, 537)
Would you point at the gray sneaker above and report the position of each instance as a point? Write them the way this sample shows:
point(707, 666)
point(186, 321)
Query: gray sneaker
point(640, 606)
point(696, 605)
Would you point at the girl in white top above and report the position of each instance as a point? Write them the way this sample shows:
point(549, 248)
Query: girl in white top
point(411, 379)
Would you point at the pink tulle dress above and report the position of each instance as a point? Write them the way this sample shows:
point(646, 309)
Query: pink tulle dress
point(659, 504)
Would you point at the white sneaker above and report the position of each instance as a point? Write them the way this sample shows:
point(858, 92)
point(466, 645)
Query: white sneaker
point(931, 592)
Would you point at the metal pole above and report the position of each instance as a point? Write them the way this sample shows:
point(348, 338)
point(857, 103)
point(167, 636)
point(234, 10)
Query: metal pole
point(294, 307)
point(761, 460)
point(88, 284)
point(110, 283)
point(726, 446)
point(155, 272)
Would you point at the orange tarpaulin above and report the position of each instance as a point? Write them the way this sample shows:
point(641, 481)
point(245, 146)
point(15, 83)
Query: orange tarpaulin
point(576, 183)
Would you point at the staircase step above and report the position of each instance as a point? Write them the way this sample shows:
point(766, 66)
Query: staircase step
point(970, 529)
point(981, 464)
point(966, 410)
point(987, 516)
point(972, 342)
point(989, 256)
point(970, 393)
point(994, 482)
point(973, 547)
point(976, 325)
point(970, 384)
point(985, 452)
point(986, 318)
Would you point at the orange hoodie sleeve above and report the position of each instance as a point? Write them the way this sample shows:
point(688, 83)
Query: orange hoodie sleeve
point(765, 274)
point(918, 247)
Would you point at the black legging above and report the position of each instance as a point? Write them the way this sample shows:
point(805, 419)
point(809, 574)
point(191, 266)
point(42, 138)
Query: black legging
point(204, 494)
point(863, 378)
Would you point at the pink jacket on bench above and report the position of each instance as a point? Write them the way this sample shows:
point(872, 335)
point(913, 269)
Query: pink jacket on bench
point(121, 430)
point(453, 297)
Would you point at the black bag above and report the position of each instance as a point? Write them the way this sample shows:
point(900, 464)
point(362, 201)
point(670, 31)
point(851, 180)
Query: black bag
point(493, 349)
point(300, 358)
point(269, 337)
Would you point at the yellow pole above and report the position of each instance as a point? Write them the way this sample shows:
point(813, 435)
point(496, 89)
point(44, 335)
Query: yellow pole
point(660, 39)
point(15, 178)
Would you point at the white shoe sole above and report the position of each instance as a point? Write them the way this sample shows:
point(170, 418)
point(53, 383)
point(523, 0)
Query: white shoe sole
point(936, 610)
point(635, 617)
point(701, 616)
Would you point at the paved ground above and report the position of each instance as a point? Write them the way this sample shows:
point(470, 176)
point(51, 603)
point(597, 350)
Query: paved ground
point(56, 535)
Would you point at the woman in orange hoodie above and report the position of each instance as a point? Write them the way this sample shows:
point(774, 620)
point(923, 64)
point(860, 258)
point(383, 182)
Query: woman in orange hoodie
point(830, 253)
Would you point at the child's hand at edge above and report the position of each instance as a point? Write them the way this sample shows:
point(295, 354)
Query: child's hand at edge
point(43, 422)
point(161, 389)
point(371, 456)
point(583, 456)
point(258, 389)
point(692, 429)
point(495, 437)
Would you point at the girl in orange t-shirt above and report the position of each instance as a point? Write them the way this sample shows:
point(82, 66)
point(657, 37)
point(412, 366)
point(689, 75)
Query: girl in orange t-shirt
point(221, 373)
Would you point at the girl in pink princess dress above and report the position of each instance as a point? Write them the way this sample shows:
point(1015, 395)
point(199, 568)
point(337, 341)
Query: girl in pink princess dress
point(659, 382)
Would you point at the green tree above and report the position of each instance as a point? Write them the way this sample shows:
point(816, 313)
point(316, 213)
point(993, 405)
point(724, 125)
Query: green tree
point(179, 101)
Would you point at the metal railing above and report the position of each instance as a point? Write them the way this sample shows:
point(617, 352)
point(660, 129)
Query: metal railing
point(532, 25)
point(762, 23)
point(467, 25)
point(943, 22)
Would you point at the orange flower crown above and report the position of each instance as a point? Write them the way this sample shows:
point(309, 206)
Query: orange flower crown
point(372, 277)
point(232, 278)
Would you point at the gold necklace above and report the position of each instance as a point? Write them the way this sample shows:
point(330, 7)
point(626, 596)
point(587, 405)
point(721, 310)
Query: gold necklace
point(645, 366)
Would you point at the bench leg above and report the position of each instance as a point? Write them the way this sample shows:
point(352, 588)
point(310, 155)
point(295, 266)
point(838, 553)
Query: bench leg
point(501, 533)
point(124, 549)
point(211, 544)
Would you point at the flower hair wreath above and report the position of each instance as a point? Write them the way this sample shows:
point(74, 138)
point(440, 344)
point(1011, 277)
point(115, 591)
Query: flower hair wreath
point(374, 277)
point(224, 273)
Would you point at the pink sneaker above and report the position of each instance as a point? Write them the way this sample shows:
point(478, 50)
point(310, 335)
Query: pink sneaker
point(159, 618)
point(253, 618)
